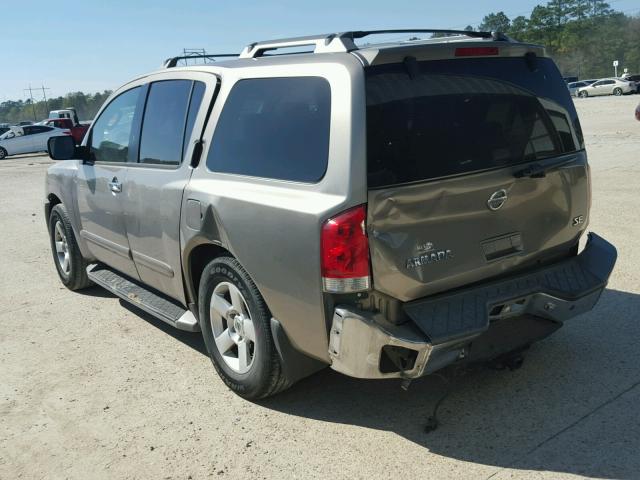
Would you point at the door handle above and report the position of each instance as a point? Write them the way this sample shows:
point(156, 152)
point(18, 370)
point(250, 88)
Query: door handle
point(115, 185)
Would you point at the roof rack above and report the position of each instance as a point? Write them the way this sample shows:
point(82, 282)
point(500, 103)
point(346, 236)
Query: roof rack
point(345, 41)
point(173, 61)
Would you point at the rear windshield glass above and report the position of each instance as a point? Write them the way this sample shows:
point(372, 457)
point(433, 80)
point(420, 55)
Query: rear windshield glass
point(448, 117)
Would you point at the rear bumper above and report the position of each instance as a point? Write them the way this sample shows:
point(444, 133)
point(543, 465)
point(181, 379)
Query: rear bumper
point(454, 326)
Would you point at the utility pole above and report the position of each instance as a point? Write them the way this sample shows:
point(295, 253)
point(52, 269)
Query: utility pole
point(33, 105)
point(46, 103)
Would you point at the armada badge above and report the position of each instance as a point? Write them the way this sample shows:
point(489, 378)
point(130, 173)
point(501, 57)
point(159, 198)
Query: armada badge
point(428, 255)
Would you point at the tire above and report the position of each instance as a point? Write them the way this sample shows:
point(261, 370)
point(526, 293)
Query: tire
point(617, 92)
point(232, 310)
point(69, 262)
point(3, 153)
point(583, 94)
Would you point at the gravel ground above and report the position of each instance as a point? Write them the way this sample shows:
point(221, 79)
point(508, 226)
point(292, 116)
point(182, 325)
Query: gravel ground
point(93, 388)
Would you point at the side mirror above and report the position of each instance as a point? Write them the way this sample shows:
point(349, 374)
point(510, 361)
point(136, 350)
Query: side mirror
point(64, 148)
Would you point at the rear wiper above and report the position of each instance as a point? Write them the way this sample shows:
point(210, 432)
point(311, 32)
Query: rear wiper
point(536, 170)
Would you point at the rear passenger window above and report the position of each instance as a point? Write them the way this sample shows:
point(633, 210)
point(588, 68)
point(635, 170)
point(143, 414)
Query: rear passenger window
point(274, 128)
point(164, 122)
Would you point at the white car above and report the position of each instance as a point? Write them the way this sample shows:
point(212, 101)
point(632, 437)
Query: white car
point(607, 86)
point(28, 139)
point(575, 86)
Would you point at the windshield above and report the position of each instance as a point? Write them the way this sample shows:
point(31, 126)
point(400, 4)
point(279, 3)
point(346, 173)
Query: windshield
point(450, 117)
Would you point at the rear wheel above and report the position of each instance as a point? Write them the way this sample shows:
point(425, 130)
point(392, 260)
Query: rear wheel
point(583, 94)
point(71, 266)
point(617, 92)
point(3, 153)
point(236, 326)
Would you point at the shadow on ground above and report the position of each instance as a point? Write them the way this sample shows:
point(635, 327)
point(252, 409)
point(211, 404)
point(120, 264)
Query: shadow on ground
point(574, 406)
point(513, 419)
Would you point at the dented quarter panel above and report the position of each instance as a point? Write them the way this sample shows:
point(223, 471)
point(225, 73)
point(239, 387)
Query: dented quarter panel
point(272, 227)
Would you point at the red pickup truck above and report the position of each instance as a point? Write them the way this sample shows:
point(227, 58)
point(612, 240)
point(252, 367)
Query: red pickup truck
point(77, 130)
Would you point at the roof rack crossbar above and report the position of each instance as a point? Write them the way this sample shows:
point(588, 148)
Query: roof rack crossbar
point(468, 33)
point(173, 61)
point(345, 41)
point(325, 43)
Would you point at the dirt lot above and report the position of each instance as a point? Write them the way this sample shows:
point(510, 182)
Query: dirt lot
point(92, 388)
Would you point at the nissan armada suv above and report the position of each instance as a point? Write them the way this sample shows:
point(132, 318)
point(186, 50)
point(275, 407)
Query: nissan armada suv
point(387, 209)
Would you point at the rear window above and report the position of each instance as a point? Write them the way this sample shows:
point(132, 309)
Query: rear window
point(433, 119)
point(274, 128)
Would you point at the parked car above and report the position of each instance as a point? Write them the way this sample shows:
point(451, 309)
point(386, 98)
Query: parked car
point(607, 86)
point(69, 112)
point(28, 139)
point(574, 86)
point(319, 209)
point(633, 78)
point(24, 123)
point(77, 130)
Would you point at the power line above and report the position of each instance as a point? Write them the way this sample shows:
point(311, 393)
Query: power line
point(44, 94)
point(33, 104)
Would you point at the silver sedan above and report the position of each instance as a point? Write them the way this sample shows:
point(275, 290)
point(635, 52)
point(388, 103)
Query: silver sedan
point(607, 86)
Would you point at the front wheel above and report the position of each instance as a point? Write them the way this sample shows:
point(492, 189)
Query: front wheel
point(617, 92)
point(3, 153)
point(583, 94)
point(236, 326)
point(71, 266)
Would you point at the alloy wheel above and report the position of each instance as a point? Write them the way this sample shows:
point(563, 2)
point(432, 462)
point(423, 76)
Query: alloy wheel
point(62, 248)
point(232, 327)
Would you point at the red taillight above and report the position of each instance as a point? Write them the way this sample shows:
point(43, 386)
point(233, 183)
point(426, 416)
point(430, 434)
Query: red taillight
point(66, 132)
point(477, 51)
point(345, 252)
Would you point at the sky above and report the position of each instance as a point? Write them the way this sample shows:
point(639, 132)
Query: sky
point(93, 45)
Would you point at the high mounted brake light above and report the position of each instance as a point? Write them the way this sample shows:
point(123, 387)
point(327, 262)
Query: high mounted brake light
point(345, 252)
point(477, 51)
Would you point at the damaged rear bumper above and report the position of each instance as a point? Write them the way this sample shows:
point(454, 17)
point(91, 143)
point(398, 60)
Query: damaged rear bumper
point(505, 314)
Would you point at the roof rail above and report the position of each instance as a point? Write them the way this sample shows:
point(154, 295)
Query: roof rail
point(173, 61)
point(345, 41)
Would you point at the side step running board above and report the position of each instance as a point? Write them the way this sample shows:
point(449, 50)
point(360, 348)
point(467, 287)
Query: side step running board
point(156, 304)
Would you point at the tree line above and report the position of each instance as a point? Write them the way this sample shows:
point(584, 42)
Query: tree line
point(86, 104)
point(584, 37)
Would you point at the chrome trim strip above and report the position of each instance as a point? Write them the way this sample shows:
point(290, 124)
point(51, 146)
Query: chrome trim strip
point(106, 244)
point(153, 264)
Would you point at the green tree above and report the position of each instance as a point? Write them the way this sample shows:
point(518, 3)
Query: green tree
point(498, 22)
point(87, 105)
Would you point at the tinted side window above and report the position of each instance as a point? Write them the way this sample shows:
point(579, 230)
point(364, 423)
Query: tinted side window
point(164, 121)
point(111, 132)
point(274, 128)
point(194, 106)
point(40, 129)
